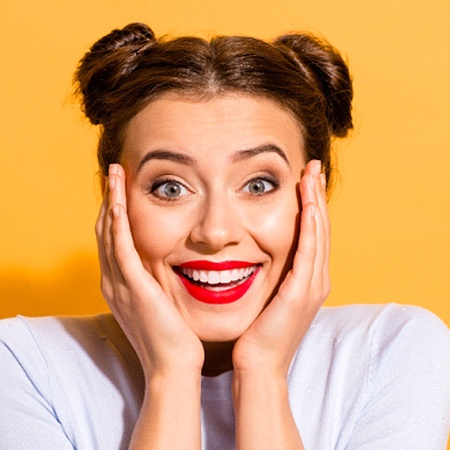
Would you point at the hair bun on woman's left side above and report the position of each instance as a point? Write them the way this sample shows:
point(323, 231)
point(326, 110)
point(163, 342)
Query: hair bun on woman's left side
point(326, 68)
point(106, 64)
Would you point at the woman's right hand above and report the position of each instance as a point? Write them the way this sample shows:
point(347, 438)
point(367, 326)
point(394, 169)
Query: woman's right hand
point(170, 353)
point(156, 330)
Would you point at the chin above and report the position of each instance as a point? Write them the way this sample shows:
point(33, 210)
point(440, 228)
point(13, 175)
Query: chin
point(218, 333)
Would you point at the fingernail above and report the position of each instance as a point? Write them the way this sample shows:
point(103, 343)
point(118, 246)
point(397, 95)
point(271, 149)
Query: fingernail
point(112, 170)
point(317, 167)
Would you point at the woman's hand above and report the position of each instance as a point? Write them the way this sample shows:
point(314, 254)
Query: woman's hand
point(271, 341)
point(170, 353)
point(148, 317)
point(262, 355)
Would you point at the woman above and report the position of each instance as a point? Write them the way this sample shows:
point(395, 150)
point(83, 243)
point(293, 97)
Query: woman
point(213, 243)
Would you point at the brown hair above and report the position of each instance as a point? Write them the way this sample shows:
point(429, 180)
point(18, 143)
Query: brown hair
point(128, 68)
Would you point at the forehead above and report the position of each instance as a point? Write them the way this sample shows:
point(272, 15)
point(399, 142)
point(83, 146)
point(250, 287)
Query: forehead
point(220, 125)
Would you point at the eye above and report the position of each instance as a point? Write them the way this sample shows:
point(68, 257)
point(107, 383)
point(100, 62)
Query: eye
point(259, 186)
point(168, 189)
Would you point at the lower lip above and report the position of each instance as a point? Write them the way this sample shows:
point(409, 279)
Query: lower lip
point(218, 297)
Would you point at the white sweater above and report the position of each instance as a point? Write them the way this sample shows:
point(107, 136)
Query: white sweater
point(366, 377)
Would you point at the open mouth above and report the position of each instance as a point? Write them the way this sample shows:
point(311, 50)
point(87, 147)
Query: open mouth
point(218, 279)
point(217, 286)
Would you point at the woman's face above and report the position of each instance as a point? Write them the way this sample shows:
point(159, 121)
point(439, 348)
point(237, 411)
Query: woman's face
point(213, 204)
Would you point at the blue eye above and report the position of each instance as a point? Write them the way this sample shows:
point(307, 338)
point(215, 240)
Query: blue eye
point(259, 186)
point(169, 189)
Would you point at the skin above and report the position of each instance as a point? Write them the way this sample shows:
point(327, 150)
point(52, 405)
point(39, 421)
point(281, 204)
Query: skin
point(214, 216)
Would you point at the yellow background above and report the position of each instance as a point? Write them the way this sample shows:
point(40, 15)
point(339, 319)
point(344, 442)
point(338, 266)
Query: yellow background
point(390, 210)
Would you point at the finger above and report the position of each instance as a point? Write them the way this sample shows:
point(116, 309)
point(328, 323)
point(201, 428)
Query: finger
point(99, 230)
point(116, 201)
point(320, 280)
point(308, 227)
point(127, 259)
point(312, 192)
point(117, 185)
point(313, 169)
point(296, 283)
point(323, 206)
point(299, 278)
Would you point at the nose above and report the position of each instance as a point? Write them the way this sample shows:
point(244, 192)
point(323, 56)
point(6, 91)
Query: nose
point(219, 224)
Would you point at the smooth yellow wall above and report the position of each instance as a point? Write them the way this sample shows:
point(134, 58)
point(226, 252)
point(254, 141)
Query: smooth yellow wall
point(391, 209)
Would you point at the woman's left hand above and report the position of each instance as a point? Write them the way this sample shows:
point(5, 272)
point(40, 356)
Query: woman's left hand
point(262, 355)
point(269, 344)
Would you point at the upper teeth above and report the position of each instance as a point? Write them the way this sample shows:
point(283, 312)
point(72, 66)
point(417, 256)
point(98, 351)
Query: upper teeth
point(218, 276)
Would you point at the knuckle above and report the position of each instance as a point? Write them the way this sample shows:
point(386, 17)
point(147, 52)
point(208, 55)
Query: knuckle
point(98, 228)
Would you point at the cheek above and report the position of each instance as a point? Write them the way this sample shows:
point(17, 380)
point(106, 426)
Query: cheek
point(277, 230)
point(155, 231)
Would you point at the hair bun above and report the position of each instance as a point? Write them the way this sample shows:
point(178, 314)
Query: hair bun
point(108, 61)
point(323, 64)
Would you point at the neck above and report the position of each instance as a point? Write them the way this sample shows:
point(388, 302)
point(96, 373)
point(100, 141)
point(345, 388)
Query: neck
point(218, 358)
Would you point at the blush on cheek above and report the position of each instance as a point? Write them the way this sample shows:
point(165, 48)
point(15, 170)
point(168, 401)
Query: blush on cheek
point(282, 232)
point(281, 226)
point(156, 233)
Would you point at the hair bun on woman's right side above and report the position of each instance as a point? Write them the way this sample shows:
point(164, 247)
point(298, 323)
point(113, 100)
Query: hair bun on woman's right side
point(106, 64)
point(324, 66)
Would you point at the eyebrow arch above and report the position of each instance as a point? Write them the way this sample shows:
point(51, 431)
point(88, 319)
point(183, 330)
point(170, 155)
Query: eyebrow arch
point(166, 155)
point(243, 155)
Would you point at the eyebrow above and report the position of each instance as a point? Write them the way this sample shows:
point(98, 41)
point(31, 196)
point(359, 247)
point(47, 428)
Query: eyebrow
point(243, 155)
point(166, 155)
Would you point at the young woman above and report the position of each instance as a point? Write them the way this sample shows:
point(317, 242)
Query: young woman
point(213, 242)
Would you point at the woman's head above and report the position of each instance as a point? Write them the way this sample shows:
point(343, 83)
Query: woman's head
point(128, 68)
point(213, 138)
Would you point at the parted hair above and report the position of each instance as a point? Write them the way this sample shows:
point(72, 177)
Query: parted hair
point(126, 69)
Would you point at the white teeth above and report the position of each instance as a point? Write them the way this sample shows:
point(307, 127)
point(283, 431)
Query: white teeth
point(225, 276)
point(213, 277)
point(218, 277)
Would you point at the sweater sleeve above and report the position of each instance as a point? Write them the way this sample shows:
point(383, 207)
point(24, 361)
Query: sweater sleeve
point(27, 417)
point(408, 382)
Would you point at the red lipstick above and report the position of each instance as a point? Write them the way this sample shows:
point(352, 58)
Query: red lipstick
point(211, 265)
point(236, 278)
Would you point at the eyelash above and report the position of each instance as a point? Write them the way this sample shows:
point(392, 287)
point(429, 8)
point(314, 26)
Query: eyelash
point(271, 180)
point(157, 184)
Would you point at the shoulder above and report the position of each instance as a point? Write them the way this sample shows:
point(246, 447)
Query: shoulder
point(21, 332)
point(382, 323)
point(365, 347)
point(381, 372)
point(392, 348)
point(53, 341)
point(384, 334)
point(78, 378)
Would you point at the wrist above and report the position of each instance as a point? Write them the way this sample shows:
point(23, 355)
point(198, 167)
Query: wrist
point(263, 415)
point(173, 381)
point(170, 413)
point(251, 386)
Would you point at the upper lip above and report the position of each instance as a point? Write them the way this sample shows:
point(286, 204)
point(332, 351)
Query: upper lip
point(212, 265)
